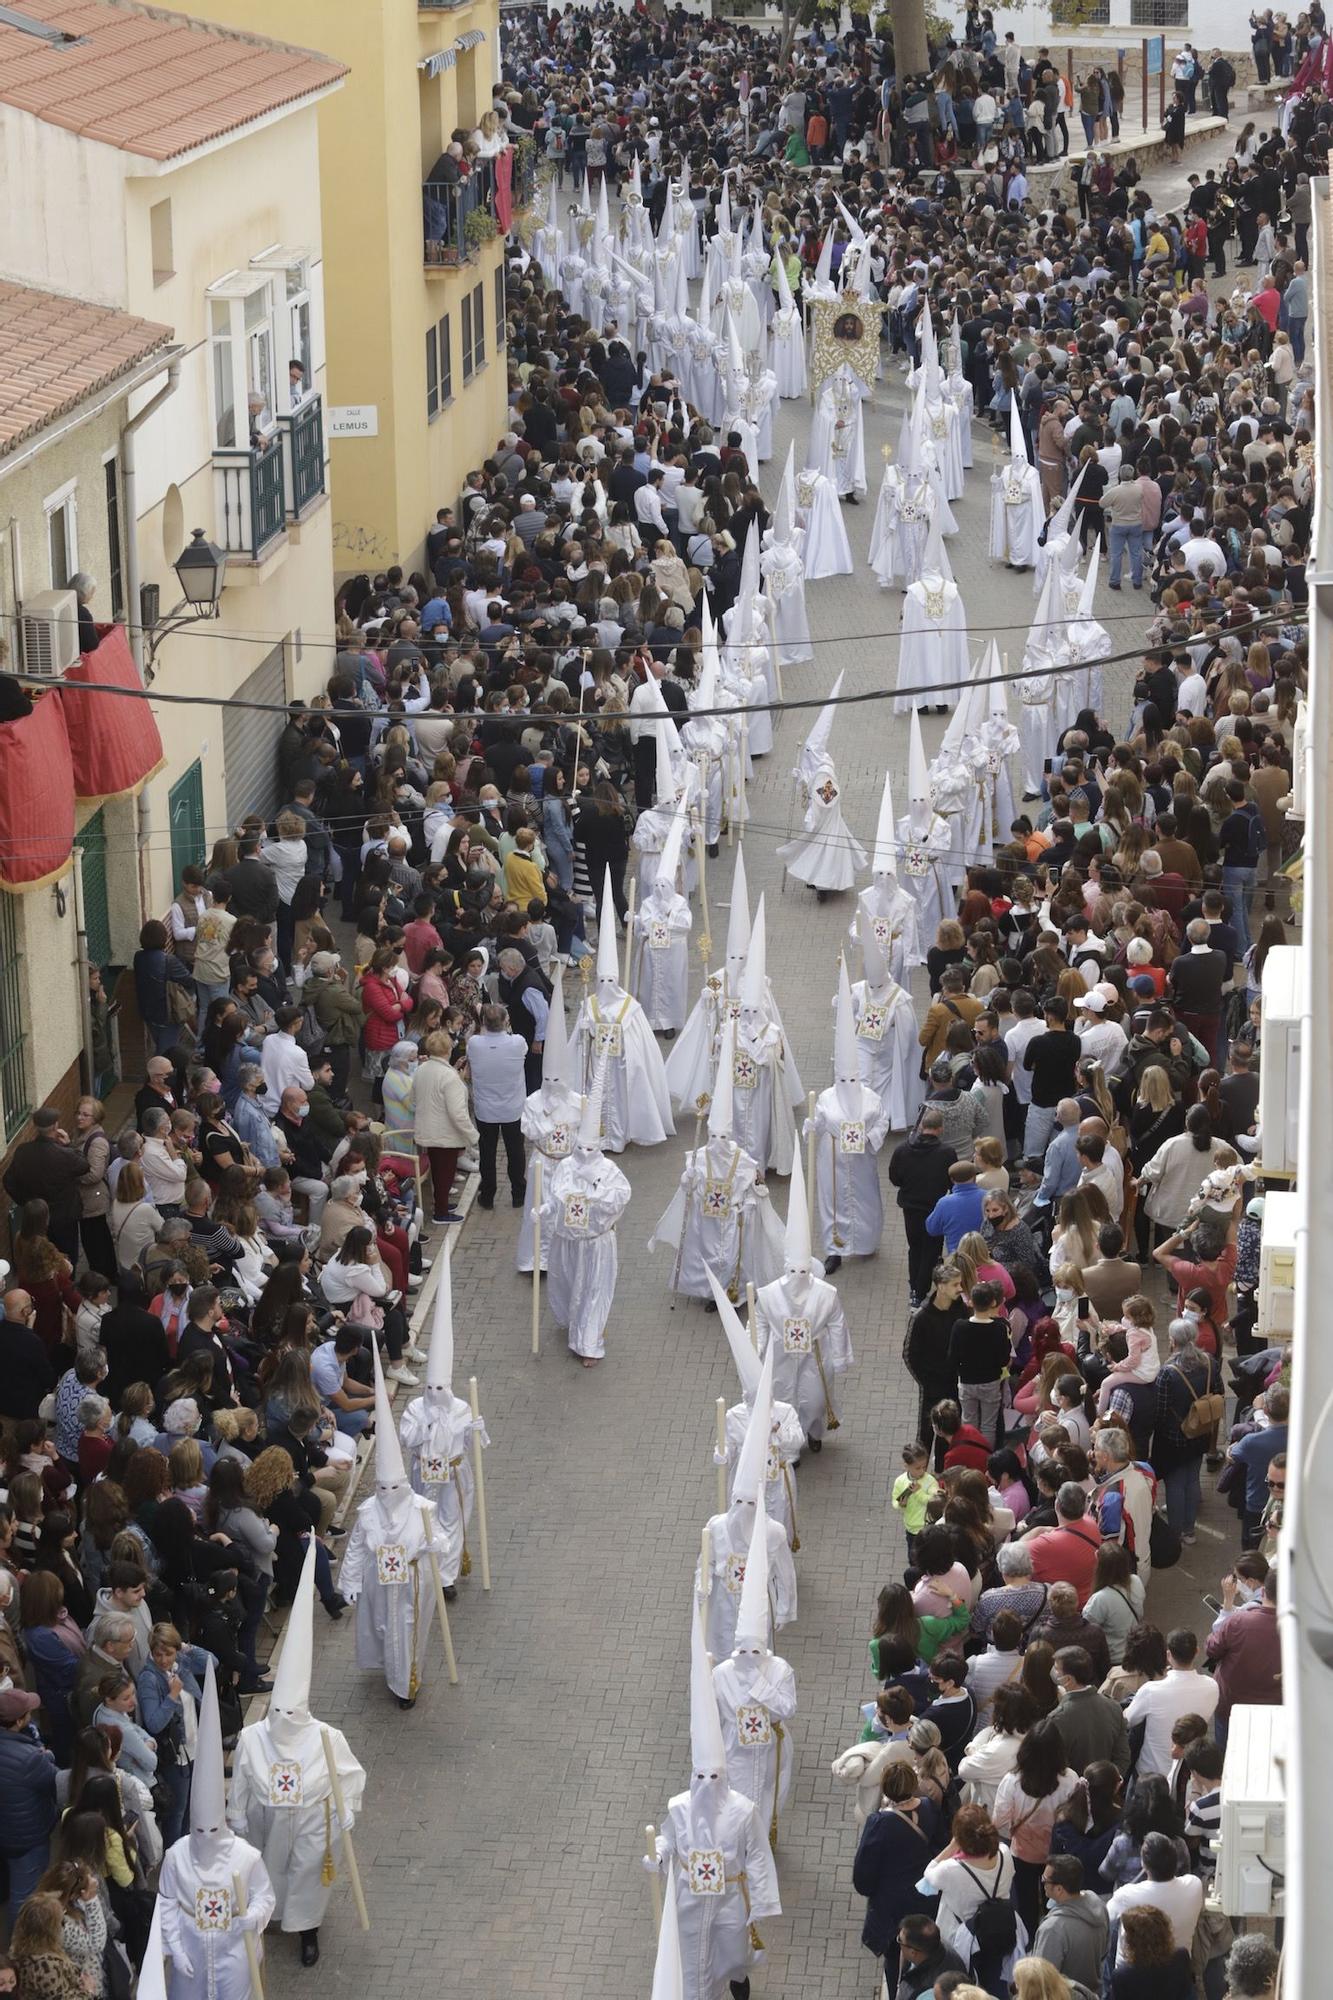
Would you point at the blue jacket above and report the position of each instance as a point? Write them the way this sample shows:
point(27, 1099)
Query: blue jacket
point(152, 970)
point(955, 1213)
point(28, 1788)
point(158, 1709)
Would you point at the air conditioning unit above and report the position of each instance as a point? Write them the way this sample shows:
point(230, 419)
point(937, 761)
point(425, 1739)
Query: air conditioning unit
point(1277, 1267)
point(1251, 1846)
point(49, 633)
point(1280, 1072)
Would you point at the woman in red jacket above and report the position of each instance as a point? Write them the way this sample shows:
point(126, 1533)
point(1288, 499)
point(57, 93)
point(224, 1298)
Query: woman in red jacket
point(386, 1006)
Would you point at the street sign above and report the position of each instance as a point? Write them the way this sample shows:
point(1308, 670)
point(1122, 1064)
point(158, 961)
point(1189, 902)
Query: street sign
point(354, 420)
point(1156, 54)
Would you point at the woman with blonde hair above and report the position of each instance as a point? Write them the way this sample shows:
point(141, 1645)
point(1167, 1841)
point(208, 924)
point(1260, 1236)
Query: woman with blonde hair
point(1074, 1240)
point(36, 1945)
point(977, 1262)
point(989, 1156)
point(1037, 1979)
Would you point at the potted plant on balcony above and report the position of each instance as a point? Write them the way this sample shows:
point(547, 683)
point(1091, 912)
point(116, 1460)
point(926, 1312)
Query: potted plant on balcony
point(479, 227)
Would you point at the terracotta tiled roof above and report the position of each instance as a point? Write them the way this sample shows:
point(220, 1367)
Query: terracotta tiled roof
point(147, 81)
point(56, 352)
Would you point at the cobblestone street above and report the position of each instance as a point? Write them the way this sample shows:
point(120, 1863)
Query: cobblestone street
point(504, 1818)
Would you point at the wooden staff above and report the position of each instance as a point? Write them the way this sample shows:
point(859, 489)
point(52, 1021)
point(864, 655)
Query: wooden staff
point(751, 1321)
point(428, 1515)
point(584, 657)
point(537, 1256)
point(741, 755)
point(629, 931)
point(251, 1944)
point(480, 1483)
point(722, 1450)
point(699, 831)
point(810, 1163)
point(349, 1852)
point(650, 1849)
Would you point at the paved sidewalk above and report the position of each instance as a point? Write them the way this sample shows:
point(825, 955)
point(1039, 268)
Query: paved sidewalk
point(504, 1820)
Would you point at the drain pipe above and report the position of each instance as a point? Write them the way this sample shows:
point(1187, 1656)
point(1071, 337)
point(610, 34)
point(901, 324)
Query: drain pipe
point(130, 498)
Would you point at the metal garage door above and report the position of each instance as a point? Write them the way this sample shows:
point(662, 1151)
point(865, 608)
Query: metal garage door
point(91, 843)
point(250, 742)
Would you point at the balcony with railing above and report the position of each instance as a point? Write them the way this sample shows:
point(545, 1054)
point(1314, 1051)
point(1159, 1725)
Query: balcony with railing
point(250, 490)
point(450, 236)
point(302, 432)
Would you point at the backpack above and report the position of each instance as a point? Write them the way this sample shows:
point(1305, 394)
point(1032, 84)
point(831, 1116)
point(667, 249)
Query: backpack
point(992, 1925)
point(1205, 1412)
point(1164, 1543)
point(1258, 836)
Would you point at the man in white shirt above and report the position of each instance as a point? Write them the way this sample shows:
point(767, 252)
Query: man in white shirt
point(1178, 1897)
point(1028, 1025)
point(1096, 1170)
point(1105, 1041)
point(1192, 694)
point(1201, 548)
point(496, 1058)
point(164, 1172)
point(1160, 1704)
point(648, 507)
point(283, 1060)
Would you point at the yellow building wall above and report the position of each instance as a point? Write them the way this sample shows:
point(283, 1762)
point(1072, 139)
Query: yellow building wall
point(379, 137)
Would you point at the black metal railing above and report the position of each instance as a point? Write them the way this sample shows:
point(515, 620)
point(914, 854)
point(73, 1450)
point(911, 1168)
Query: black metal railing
point(304, 430)
point(251, 499)
point(445, 208)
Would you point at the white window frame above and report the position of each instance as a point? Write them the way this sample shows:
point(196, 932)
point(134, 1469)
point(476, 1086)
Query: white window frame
point(294, 264)
point(63, 501)
point(235, 290)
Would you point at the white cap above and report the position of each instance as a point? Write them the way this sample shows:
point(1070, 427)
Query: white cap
point(919, 807)
point(1093, 1002)
point(590, 1124)
point(885, 860)
point(669, 859)
point(555, 1049)
point(873, 959)
point(748, 1365)
point(152, 1983)
point(753, 1620)
point(738, 919)
point(289, 1703)
point(1064, 513)
point(668, 1974)
point(389, 1468)
point(707, 1749)
point(754, 980)
point(846, 1066)
point(721, 1109)
point(796, 1247)
point(1089, 590)
point(208, 1787)
point(752, 1465)
point(440, 1361)
point(1018, 444)
point(608, 951)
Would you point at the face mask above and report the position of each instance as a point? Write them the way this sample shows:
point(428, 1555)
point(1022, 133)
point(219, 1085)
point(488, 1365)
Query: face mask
point(303, 1113)
point(360, 1178)
point(1064, 1292)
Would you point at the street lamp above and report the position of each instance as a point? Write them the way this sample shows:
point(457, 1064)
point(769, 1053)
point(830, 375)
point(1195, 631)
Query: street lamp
point(201, 570)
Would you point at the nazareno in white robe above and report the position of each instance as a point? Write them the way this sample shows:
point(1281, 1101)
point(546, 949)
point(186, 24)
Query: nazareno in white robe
point(197, 1899)
point(636, 1108)
point(386, 1569)
point(728, 1841)
point(784, 582)
point(549, 1123)
point(804, 1319)
point(788, 351)
point(765, 1090)
point(826, 853)
point(902, 525)
point(894, 922)
point(280, 1800)
point(888, 1051)
point(1017, 514)
point(720, 1219)
point(693, 1055)
point(662, 970)
point(787, 1445)
point(826, 550)
point(837, 434)
point(728, 1549)
point(436, 1430)
point(850, 1127)
point(756, 1700)
point(932, 648)
point(580, 1209)
point(925, 866)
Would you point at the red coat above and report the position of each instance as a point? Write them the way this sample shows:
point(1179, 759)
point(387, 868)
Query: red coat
point(385, 1009)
